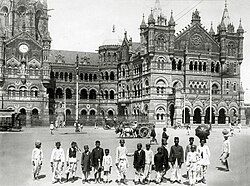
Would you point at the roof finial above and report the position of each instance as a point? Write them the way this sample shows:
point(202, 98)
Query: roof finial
point(113, 29)
point(226, 4)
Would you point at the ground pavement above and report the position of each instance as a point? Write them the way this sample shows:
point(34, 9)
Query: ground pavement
point(16, 148)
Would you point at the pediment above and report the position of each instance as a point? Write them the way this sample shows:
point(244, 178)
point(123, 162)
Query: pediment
point(197, 39)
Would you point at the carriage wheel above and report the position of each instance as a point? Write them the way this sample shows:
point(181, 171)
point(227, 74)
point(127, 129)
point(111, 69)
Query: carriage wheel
point(144, 132)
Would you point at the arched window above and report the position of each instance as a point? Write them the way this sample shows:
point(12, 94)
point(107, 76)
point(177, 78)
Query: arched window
point(66, 76)
point(200, 66)
point(106, 75)
point(5, 13)
point(90, 77)
point(86, 77)
point(61, 75)
point(195, 65)
point(23, 91)
point(68, 93)
point(59, 93)
point(173, 64)
point(231, 49)
point(70, 76)
point(191, 65)
point(135, 90)
point(83, 94)
point(81, 76)
point(57, 75)
point(227, 85)
point(212, 67)
point(110, 113)
point(179, 65)
point(123, 72)
point(83, 112)
point(112, 94)
point(92, 113)
point(95, 77)
point(204, 66)
point(68, 112)
point(234, 87)
point(217, 68)
point(34, 92)
point(52, 75)
point(102, 75)
point(112, 76)
point(215, 89)
point(160, 86)
point(34, 112)
point(92, 94)
point(11, 91)
point(106, 94)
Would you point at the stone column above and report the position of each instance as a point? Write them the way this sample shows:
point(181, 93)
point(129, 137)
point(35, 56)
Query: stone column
point(202, 119)
point(191, 119)
point(28, 118)
point(227, 120)
point(216, 120)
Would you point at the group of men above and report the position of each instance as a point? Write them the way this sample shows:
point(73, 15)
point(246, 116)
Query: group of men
point(145, 161)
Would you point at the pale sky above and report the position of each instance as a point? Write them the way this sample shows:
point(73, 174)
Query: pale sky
point(83, 25)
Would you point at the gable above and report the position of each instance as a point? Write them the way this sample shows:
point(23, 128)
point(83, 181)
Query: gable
point(197, 39)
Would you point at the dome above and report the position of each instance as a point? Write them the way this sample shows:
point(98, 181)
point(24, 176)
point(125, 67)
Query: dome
point(112, 39)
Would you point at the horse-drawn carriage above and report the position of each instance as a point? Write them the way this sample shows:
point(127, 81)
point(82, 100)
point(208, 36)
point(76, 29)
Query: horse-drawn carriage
point(9, 120)
point(134, 129)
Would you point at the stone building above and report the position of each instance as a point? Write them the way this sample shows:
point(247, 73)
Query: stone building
point(152, 80)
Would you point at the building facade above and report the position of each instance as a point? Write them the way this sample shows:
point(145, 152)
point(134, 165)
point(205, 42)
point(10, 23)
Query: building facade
point(152, 80)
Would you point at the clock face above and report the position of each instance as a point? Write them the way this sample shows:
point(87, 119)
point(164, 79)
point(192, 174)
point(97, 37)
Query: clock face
point(23, 48)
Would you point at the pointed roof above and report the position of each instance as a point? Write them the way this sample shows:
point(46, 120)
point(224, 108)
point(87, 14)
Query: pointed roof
point(171, 21)
point(240, 28)
point(143, 24)
point(151, 18)
point(211, 29)
point(225, 17)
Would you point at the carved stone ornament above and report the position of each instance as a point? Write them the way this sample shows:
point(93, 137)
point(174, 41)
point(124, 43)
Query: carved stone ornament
point(196, 40)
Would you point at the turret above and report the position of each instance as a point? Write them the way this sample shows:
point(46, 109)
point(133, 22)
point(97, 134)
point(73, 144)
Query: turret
point(143, 24)
point(151, 20)
point(240, 32)
point(211, 32)
point(171, 24)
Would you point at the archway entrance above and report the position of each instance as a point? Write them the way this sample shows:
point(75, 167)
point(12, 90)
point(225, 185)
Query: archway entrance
point(187, 116)
point(35, 117)
point(22, 117)
point(222, 116)
point(171, 112)
point(207, 116)
point(197, 116)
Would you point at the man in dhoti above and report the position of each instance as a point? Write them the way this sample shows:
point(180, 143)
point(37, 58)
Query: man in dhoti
point(225, 149)
point(57, 163)
point(121, 162)
point(37, 159)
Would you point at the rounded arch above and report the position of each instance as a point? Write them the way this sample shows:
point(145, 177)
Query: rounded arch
point(34, 111)
point(112, 94)
point(197, 115)
point(207, 115)
point(112, 76)
point(83, 93)
point(68, 112)
point(11, 90)
point(106, 75)
point(186, 114)
point(222, 116)
point(111, 112)
point(59, 93)
point(22, 116)
point(68, 93)
point(23, 91)
point(92, 94)
point(84, 112)
point(177, 84)
point(92, 112)
point(34, 91)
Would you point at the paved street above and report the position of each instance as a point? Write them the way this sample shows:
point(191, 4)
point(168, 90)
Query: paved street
point(15, 154)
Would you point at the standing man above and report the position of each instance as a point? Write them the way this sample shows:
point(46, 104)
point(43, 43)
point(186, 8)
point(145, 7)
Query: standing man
point(164, 134)
point(57, 163)
point(188, 148)
point(176, 159)
point(37, 159)
point(139, 164)
point(149, 162)
point(96, 160)
point(165, 156)
point(191, 162)
point(204, 154)
point(225, 149)
point(121, 162)
point(71, 161)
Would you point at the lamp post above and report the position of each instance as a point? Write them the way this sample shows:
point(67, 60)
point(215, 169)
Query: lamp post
point(77, 87)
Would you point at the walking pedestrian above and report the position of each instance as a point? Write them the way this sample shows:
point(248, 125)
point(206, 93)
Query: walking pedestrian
point(57, 163)
point(86, 164)
point(153, 135)
point(96, 160)
point(176, 159)
point(37, 159)
point(107, 165)
point(159, 165)
point(139, 164)
point(204, 154)
point(164, 134)
point(51, 127)
point(71, 161)
point(191, 162)
point(149, 162)
point(225, 149)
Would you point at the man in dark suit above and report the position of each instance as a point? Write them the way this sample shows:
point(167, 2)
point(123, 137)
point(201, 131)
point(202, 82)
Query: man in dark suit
point(96, 160)
point(165, 156)
point(139, 163)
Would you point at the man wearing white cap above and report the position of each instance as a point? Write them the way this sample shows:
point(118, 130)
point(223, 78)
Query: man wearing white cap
point(225, 149)
point(37, 159)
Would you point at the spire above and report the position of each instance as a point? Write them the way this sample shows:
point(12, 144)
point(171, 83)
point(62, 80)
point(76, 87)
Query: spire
point(151, 19)
point(113, 29)
point(211, 32)
point(157, 9)
point(240, 28)
point(171, 21)
point(143, 24)
point(225, 17)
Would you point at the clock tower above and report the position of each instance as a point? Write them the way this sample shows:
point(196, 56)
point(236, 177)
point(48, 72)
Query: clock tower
point(24, 67)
